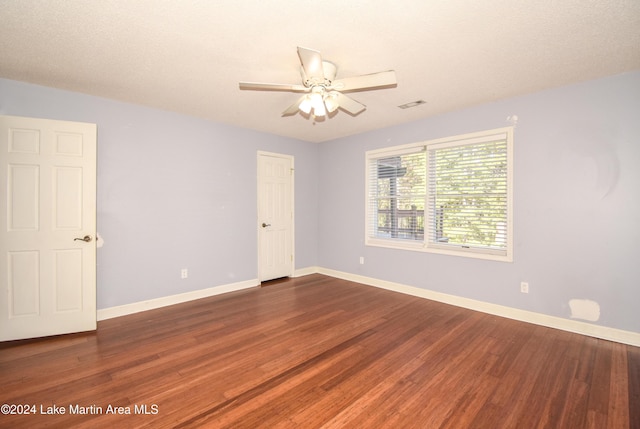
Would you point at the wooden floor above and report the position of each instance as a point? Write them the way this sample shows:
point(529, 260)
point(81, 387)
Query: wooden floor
point(320, 352)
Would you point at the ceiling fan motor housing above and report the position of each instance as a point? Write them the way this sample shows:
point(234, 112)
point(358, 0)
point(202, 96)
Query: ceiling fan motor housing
point(329, 71)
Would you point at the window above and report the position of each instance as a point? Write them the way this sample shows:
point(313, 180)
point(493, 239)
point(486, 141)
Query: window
point(449, 196)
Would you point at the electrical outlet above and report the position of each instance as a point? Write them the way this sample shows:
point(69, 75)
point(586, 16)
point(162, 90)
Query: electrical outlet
point(524, 287)
point(361, 260)
point(184, 273)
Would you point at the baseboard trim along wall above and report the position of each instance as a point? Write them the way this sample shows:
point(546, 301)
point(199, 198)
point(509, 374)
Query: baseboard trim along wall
point(136, 307)
point(305, 271)
point(575, 326)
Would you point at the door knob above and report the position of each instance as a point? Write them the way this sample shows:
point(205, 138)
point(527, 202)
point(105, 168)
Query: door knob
point(264, 225)
point(86, 239)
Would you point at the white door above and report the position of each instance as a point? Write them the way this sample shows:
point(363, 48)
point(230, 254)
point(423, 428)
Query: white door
point(47, 227)
point(275, 216)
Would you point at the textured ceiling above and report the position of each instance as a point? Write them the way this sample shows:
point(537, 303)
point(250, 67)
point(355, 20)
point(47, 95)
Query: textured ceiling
point(189, 55)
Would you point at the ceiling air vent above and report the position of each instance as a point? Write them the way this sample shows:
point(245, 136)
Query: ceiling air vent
point(412, 104)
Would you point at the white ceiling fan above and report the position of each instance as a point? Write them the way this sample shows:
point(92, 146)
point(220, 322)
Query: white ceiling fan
point(324, 93)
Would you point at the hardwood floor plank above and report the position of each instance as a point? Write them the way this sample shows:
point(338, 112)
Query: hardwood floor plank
point(562, 373)
point(633, 377)
point(599, 394)
point(319, 352)
point(618, 407)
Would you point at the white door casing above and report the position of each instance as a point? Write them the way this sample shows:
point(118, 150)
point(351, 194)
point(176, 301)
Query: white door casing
point(47, 227)
point(275, 216)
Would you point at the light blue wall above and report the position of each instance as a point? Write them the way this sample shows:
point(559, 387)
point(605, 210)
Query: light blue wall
point(174, 192)
point(576, 211)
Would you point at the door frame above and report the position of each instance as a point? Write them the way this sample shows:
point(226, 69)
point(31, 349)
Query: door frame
point(291, 159)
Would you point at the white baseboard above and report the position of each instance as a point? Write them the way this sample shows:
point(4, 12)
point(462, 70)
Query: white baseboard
point(575, 326)
point(136, 307)
point(306, 271)
point(123, 310)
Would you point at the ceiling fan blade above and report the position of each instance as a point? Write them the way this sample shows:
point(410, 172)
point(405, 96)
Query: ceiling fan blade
point(348, 104)
point(257, 86)
point(367, 81)
point(294, 108)
point(311, 64)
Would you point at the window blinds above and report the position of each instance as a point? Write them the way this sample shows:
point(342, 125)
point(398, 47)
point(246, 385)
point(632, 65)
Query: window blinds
point(397, 183)
point(468, 194)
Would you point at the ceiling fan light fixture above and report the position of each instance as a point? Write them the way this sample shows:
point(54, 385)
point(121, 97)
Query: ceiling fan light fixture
point(331, 102)
point(305, 105)
point(319, 108)
point(318, 104)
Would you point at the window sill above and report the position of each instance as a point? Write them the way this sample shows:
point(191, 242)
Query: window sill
point(442, 250)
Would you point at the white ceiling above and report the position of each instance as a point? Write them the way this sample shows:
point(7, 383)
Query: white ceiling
point(189, 55)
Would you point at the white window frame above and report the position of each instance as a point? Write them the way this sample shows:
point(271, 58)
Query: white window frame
point(424, 245)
